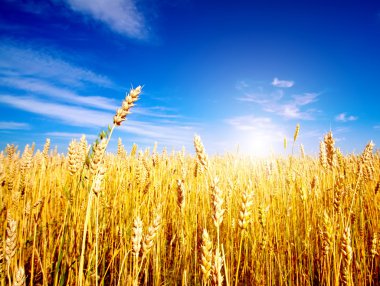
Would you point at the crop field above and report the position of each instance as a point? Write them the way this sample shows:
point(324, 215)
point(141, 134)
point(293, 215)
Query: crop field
point(143, 217)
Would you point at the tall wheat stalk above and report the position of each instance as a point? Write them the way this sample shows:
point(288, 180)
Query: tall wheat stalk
point(119, 117)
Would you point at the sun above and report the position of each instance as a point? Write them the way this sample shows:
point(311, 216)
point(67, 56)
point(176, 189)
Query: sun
point(260, 143)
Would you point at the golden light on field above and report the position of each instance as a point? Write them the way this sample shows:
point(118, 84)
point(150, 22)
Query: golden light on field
point(148, 218)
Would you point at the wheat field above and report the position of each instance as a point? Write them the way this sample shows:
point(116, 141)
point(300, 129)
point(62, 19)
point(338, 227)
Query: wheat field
point(143, 217)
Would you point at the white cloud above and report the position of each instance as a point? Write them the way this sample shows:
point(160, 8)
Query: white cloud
point(37, 86)
point(44, 84)
point(290, 111)
point(261, 97)
point(84, 117)
point(277, 102)
point(376, 127)
point(282, 83)
point(305, 99)
point(122, 16)
point(71, 115)
point(10, 125)
point(343, 117)
point(31, 63)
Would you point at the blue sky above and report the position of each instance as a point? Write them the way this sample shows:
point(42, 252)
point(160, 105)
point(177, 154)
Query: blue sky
point(238, 73)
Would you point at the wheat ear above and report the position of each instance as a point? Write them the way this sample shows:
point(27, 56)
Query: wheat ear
point(346, 251)
point(206, 258)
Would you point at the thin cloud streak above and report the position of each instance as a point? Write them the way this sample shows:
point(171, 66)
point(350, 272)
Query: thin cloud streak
point(305, 99)
point(31, 63)
point(43, 88)
point(10, 125)
point(121, 16)
point(290, 111)
point(71, 115)
point(47, 87)
point(262, 98)
point(278, 103)
point(78, 116)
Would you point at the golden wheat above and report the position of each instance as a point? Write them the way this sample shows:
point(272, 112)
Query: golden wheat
point(312, 220)
point(206, 259)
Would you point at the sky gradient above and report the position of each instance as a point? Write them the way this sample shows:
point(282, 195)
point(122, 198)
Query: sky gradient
point(238, 73)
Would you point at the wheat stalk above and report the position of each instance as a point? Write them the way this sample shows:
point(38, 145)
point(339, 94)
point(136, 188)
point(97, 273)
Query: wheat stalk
point(97, 159)
point(45, 151)
point(202, 158)
point(137, 236)
point(127, 103)
point(152, 233)
point(217, 277)
point(330, 149)
point(11, 238)
point(323, 155)
point(326, 234)
point(296, 132)
point(20, 278)
point(217, 203)
point(137, 231)
point(263, 211)
point(245, 210)
point(346, 251)
point(73, 157)
point(374, 244)
point(206, 257)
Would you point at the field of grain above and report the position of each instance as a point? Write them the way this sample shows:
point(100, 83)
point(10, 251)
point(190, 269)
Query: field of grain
point(143, 217)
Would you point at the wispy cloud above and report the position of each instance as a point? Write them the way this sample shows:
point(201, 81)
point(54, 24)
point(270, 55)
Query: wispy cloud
point(44, 84)
point(28, 62)
point(277, 102)
point(10, 125)
point(343, 117)
point(305, 99)
point(261, 97)
point(85, 117)
point(282, 83)
point(41, 87)
point(377, 127)
point(290, 110)
point(72, 115)
point(121, 16)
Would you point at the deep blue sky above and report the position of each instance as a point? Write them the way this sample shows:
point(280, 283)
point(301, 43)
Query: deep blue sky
point(235, 72)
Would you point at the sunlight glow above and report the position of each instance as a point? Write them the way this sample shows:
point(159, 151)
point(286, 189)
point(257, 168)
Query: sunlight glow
point(261, 143)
